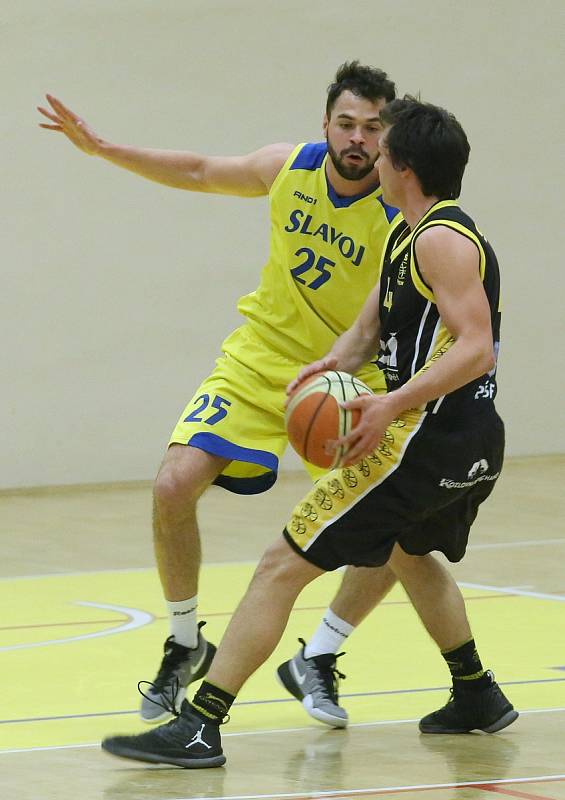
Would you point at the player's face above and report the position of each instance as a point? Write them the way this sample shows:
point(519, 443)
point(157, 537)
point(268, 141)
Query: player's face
point(388, 174)
point(352, 132)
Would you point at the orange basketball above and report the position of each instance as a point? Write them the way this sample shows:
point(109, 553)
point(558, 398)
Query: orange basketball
point(314, 415)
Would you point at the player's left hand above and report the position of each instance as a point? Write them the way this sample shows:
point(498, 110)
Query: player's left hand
point(75, 129)
point(377, 412)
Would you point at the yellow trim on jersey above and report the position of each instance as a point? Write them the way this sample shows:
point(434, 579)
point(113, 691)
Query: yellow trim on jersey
point(421, 287)
point(397, 221)
point(408, 239)
point(417, 279)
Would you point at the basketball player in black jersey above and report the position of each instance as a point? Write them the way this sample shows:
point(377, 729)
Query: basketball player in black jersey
point(421, 460)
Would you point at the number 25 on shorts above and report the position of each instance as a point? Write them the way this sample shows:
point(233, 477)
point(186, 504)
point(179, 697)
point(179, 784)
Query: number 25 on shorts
point(201, 410)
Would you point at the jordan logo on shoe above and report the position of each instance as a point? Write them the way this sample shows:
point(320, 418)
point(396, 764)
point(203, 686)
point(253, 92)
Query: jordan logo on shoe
point(197, 738)
point(297, 674)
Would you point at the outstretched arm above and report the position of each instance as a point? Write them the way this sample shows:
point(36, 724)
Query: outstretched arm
point(247, 176)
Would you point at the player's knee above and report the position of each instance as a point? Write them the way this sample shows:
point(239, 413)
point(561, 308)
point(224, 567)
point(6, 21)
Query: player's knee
point(173, 490)
point(281, 565)
point(401, 562)
point(272, 565)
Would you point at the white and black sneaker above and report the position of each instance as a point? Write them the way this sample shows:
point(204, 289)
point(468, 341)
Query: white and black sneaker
point(187, 741)
point(314, 682)
point(179, 667)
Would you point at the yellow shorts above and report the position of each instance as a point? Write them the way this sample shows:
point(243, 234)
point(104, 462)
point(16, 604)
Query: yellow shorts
point(238, 412)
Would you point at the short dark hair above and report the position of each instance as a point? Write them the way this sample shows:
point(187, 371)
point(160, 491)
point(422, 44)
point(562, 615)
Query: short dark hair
point(368, 82)
point(430, 141)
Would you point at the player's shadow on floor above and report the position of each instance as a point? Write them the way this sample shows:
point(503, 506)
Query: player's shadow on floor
point(471, 756)
point(164, 783)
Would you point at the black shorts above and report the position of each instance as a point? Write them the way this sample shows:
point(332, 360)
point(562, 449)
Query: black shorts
point(421, 488)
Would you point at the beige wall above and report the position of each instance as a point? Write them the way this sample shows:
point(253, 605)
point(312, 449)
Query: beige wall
point(117, 292)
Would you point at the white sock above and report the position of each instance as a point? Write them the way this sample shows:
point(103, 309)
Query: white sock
point(329, 636)
point(182, 621)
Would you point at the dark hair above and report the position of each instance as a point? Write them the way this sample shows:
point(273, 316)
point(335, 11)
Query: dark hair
point(430, 141)
point(368, 82)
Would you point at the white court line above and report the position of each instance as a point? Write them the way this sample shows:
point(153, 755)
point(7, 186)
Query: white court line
point(383, 789)
point(136, 619)
point(271, 731)
point(515, 590)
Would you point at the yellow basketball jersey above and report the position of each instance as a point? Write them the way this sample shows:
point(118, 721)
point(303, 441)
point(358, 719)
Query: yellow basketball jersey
point(324, 259)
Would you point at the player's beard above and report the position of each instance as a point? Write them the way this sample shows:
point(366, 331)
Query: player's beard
point(352, 172)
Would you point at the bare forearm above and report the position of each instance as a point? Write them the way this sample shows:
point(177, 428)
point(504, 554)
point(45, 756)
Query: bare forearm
point(352, 350)
point(250, 175)
point(179, 169)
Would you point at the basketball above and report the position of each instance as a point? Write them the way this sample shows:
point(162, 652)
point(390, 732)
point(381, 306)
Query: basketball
point(314, 415)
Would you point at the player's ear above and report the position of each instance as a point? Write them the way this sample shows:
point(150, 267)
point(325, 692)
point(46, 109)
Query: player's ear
point(325, 123)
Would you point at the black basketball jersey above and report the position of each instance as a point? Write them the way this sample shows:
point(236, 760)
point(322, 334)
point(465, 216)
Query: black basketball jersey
point(413, 335)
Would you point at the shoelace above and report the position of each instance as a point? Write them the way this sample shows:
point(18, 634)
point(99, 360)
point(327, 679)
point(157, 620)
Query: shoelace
point(170, 705)
point(327, 676)
point(330, 678)
point(163, 701)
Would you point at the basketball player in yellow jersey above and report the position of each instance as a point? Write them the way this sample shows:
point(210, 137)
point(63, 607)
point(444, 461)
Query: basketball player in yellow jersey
point(329, 223)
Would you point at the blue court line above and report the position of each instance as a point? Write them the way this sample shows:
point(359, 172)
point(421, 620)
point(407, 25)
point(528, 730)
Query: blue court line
point(276, 700)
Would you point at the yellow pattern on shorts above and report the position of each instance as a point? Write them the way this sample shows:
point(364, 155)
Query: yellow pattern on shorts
point(338, 491)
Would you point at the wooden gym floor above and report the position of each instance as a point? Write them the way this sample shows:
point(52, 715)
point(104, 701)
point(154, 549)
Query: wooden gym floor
point(84, 621)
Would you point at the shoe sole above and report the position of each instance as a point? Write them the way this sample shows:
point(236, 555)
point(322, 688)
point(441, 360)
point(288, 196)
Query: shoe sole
point(286, 680)
point(200, 673)
point(186, 763)
point(504, 721)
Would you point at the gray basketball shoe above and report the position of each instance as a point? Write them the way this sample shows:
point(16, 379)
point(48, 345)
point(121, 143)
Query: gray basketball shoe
point(314, 682)
point(179, 667)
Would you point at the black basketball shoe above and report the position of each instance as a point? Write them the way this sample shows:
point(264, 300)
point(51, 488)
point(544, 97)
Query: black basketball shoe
point(467, 710)
point(186, 741)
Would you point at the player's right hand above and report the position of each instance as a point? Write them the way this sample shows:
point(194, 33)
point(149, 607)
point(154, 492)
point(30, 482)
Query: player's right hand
point(321, 365)
point(74, 128)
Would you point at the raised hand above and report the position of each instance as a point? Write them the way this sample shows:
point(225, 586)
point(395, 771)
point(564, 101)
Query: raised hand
point(321, 365)
point(67, 122)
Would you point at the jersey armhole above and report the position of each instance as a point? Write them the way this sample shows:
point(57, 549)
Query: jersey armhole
point(417, 278)
point(284, 169)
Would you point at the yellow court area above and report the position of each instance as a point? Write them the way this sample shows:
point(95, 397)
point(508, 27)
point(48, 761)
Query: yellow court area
point(78, 644)
point(84, 621)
